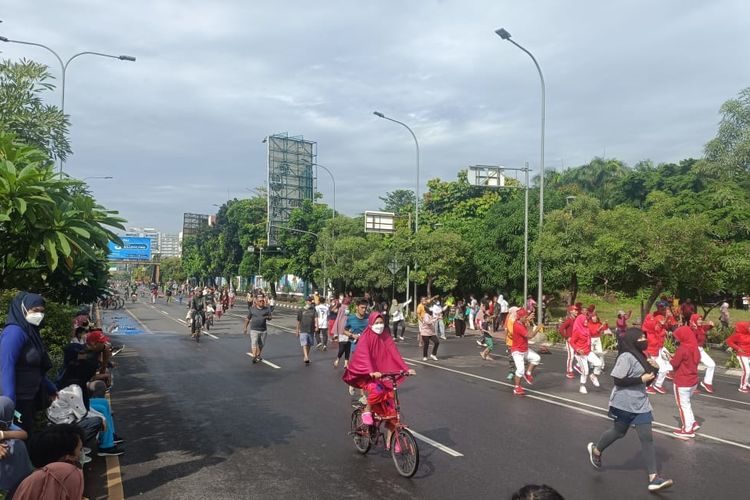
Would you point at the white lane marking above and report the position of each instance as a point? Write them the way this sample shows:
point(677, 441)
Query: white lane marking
point(145, 328)
point(543, 396)
point(266, 362)
point(437, 445)
point(723, 399)
point(210, 335)
point(182, 321)
point(163, 312)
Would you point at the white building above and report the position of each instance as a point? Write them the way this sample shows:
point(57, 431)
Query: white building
point(170, 245)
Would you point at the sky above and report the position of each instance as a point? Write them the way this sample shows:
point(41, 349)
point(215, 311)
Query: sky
point(181, 129)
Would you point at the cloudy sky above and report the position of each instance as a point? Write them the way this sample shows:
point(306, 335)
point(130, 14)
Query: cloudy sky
point(181, 128)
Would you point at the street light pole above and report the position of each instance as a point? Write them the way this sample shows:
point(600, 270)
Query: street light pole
point(416, 191)
point(64, 67)
point(502, 33)
point(97, 177)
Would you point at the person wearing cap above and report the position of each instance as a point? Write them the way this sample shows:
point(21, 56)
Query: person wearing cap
point(307, 323)
point(740, 343)
point(521, 352)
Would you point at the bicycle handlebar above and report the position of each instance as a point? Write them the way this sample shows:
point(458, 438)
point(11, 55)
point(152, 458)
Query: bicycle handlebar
point(395, 374)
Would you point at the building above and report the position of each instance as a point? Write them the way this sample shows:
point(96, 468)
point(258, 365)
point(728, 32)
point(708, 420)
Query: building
point(191, 223)
point(170, 245)
point(146, 232)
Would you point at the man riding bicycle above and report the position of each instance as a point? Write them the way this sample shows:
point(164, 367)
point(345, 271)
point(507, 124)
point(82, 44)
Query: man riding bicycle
point(197, 308)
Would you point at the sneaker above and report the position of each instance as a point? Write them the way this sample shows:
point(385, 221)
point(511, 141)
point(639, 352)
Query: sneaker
point(433, 357)
point(480, 343)
point(682, 434)
point(708, 387)
point(594, 380)
point(113, 451)
point(85, 459)
point(424, 359)
point(660, 390)
point(86, 451)
point(583, 390)
point(596, 460)
point(650, 390)
point(336, 363)
point(325, 348)
point(696, 426)
point(670, 376)
point(351, 391)
point(659, 484)
point(401, 338)
point(518, 391)
point(510, 376)
point(307, 361)
point(256, 360)
point(318, 345)
point(118, 439)
point(744, 390)
point(529, 378)
point(570, 375)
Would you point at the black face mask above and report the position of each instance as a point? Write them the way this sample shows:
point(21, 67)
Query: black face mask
point(641, 344)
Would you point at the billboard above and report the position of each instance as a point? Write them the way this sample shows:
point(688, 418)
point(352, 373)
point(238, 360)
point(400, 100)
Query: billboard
point(132, 249)
point(290, 178)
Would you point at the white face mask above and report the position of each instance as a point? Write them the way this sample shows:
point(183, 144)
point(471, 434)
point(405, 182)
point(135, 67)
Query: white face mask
point(35, 318)
point(378, 328)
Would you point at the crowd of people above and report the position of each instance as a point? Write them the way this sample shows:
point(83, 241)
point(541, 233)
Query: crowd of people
point(45, 459)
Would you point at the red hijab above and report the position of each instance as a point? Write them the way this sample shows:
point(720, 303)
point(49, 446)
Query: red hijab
point(374, 353)
point(578, 325)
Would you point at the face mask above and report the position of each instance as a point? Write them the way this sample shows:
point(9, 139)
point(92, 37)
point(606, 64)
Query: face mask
point(641, 345)
point(378, 328)
point(35, 318)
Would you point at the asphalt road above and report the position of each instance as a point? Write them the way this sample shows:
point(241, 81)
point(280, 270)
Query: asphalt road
point(202, 421)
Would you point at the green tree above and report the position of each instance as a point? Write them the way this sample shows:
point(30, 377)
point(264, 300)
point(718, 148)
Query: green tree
point(400, 201)
point(728, 153)
point(171, 270)
point(23, 111)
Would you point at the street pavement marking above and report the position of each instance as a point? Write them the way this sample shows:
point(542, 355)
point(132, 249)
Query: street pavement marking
point(114, 475)
point(723, 399)
point(181, 321)
point(163, 312)
point(437, 445)
point(571, 404)
point(266, 362)
point(145, 328)
point(210, 335)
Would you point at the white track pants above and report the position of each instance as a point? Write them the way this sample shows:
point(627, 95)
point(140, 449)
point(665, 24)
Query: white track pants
point(520, 357)
point(682, 396)
point(745, 364)
point(710, 365)
point(596, 347)
point(571, 356)
point(663, 365)
point(583, 364)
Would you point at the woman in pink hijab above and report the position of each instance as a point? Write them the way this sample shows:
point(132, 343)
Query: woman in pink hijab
point(376, 354)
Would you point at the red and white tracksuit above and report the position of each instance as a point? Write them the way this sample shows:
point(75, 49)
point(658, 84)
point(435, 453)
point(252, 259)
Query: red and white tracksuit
point(566, 330)
point(655, 334)
point(520, 351)
point(581, 343)
point(685, 364)
point(740, 342)
point(706, 360)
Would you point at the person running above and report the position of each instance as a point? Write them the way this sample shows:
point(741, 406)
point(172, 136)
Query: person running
point(740, 342)
point(629, 406)
point(479, 320)
point(489, 344)
point(685, 365)
point(321, 334)
point(396, 313)
point(701, 328)
point(510, 319)
point(566, 330)
point(581, 343)
point(307, 323)
point(653, 327)
point(340, 333)
point(596, 328)
point(522, 353)
point(377, 354)
point(258, 315)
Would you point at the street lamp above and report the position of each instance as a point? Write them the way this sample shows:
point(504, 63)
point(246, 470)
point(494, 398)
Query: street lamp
point(416, 191)
point(502, 33)
point(64, 66)
point(97, 177)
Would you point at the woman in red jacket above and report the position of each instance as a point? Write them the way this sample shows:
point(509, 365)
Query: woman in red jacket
point(654, 328)
point(740, 342)
point(685, 364)
point(581, 343)
point(566, 330)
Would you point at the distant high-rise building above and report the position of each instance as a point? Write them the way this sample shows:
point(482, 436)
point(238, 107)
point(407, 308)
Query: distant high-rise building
point(170, 246)
point(146, 232)
point(191, 223)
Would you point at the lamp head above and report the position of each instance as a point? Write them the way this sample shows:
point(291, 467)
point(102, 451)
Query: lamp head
point(502, 33)
point(378, 113)
point(3, 39)
point(127, 58)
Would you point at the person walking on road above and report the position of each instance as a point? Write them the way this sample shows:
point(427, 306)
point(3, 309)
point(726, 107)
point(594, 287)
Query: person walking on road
point(629, 406)
point(473, 307)
point(653, 327)
point(459, 318)
point(581, 343)
point(740, 342)
point(307, 321)
point(427, 334)
point(258, 315)
point(685, 364)
point(566, 330)
point(724, 314)
point(396, 313)
point(321, 333)
point(522, 353)
point(437, 314)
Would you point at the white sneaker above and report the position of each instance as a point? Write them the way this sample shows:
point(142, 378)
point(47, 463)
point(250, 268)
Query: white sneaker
point(424, 359)
point(401, 338)
point(594, 380)
point(583, 390)
point(336, 363)
point(433, 357)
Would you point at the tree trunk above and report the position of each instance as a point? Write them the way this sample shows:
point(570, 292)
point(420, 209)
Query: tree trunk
point(658, 287)
point(573, 289)
point(429, 286)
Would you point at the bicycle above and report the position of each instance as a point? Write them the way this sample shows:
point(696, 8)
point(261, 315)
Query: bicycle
point(406, 459)
point(195, 324)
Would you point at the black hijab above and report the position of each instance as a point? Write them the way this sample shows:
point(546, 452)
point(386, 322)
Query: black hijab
point(24, 301)
point(627, 344)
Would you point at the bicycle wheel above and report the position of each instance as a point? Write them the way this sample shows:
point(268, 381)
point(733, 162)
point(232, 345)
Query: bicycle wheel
point(360, 433)
point(406, 459)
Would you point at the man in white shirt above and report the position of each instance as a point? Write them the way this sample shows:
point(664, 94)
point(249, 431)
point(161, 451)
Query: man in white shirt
point(503, 308)
point(321, 334)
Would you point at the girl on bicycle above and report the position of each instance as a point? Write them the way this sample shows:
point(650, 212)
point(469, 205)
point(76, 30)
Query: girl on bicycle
point(376, 354)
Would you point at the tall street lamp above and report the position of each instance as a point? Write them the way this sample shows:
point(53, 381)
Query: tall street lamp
point(97, 177)
point(416, 191)
point(64, 65)
point(502, 33)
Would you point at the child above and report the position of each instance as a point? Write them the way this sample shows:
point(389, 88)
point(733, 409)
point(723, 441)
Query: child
point(685, 365)
point(484, 327)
